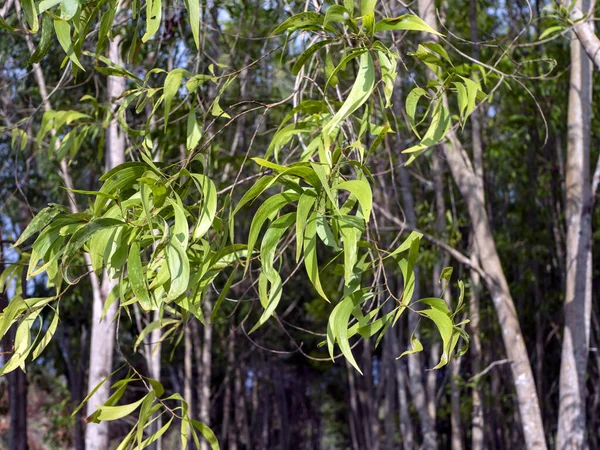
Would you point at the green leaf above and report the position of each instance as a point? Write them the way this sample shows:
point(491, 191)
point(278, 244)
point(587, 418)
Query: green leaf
point(405, 22)
point(172, 85)
point(193, 7)
point(121, 178)
point(223, 293)
point(177, 259)
point(137, 278)
point(437, 48)
point(551, 30)
point(336, 13)
point(388, 62)
point(154, 325)
point(194, 133)
point(407, 244)
point(462, 98)
point(153, 18)
point(63, 33)
point(304, 20)
point(412, 101)
point(68, 9)
point(45, 40)
point(367, 7)
point(270, 299)
point(207, 433)
point(108, 413)
point(325, 234)
point(362, 191)
point(305, 204)
point(360, 93)
point(472, 90)
point(257, 188)
point(40, 221)
point(209, 205)
point(331, 75)
point(31, 15)
point(416, 346)
point(47, 337)
point(445, 327)
point(268, 209)
point(337, 325)
point(307, 54)
point(154, 437)
point(310, 255)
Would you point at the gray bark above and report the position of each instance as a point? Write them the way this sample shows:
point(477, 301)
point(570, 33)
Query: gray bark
point(205, 375)
point(103, 332)
point(575, 345)
point(415, 369)
point(472, 192)
point(477, 421)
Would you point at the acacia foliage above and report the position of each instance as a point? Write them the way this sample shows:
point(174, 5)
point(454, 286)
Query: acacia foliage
point(165, 232)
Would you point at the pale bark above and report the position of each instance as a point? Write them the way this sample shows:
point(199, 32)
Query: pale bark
point(415, 369)
point(187, 370)
point(440, 225)
point(471, 190)
point(477, 421)
point(575, 346)
point(101, 347)
point(582, 15)
point(206, 370)
point(103, 331)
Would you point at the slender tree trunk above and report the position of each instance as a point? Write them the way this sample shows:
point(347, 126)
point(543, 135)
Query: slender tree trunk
point(389, 403)
point(415, 369)
point(99, 291)
point(471, 190)
point(227, 396)
point(241, 413)
point(575, 346)
point(17, 398)
point(354, 413)
point(443, 260)
point(187, 371)
point(205, 376)
point(103, 332)
point(477, 421)
point(406, 426)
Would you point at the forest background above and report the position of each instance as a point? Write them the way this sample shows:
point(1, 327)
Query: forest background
point(502, 193)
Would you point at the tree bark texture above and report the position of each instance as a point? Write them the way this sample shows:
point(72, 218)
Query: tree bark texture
point(578, 298)
point(472, 192)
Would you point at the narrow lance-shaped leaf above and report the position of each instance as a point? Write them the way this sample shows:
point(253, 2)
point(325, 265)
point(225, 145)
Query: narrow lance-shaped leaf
point(153, 18)
point(361, 91)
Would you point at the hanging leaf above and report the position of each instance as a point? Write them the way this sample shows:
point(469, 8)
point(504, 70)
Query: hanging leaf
point(405, 22)
point(45, 40)
point(172, 85)
point(63, 33)
point(153, 18)
point(302, 21)
point(361, 90)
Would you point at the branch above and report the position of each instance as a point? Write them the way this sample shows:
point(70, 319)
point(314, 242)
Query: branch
point(584, 29)
point(487, 369)
point(458, 256)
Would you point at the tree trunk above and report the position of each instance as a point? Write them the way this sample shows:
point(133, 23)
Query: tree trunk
point(227, 396)
point(103, 332)
point(575, 345)
point(415, 369)
point(477, 421)
point(187, 371)
point(205, 376)
point(471, 190)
